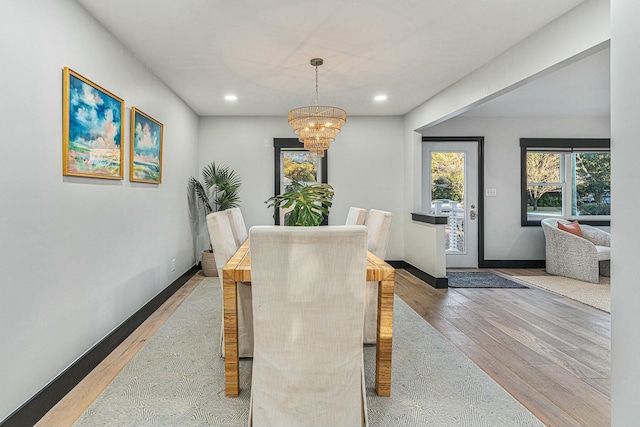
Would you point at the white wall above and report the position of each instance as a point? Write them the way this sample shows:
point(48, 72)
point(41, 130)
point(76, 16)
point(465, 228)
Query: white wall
point(583, 31)
point(625, 178)
point(505, 238)
point(78, 256)
point(365, 165)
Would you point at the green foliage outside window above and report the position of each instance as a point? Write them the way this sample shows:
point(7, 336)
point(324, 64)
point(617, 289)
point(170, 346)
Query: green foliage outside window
point(593, 175)
point(300, 168)
point(447, 174)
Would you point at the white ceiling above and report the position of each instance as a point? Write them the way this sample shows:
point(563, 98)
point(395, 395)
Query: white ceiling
point(259, 51)
point(579, 89)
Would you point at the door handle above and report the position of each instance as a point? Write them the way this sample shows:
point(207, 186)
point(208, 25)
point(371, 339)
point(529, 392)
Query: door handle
point(472, 213)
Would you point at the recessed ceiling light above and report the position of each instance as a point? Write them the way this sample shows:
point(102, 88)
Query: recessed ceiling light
point(231, 97)
point(380, 97)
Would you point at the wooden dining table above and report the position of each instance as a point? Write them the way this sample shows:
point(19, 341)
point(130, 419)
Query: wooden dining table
point(238, 269)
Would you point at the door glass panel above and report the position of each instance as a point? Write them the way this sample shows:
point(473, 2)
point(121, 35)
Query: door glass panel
point(447, 196)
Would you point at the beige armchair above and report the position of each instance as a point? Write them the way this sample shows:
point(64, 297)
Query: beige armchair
point(584, 258)
point(308, 307)
point(224, 246)
point(379, 227)
point(238, 226)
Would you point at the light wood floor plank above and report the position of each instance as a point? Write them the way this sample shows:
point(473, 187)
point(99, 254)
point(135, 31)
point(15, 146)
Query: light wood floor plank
point(550, 352)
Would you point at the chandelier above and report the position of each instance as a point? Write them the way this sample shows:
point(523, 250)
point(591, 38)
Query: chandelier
point(317, 126)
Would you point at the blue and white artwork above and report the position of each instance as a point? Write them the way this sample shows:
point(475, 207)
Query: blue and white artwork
point(93, 129)
point(146, 148)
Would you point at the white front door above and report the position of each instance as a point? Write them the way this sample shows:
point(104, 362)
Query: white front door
point(450, 187)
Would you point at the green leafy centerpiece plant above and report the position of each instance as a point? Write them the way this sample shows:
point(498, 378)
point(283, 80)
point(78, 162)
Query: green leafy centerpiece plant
point(311, 202)
point(218, 191)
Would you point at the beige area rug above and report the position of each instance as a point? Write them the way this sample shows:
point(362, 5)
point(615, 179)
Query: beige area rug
point(177, 379)
point(596, 295)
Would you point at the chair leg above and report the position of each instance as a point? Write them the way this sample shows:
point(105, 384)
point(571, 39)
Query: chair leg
point(605, 268)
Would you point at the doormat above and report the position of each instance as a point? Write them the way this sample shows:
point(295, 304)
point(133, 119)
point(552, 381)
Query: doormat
point(480, 279)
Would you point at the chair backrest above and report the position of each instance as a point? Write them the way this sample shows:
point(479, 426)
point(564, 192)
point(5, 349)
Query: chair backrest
point(379, 225)
point(222, 240)
point(553, 222)
point(237, 225)
point(356, 216)
point(308, 287)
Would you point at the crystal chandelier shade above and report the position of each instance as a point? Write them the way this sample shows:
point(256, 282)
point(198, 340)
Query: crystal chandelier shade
point(317, 125)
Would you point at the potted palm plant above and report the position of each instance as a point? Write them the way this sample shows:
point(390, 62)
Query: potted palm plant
point(217, 192)
point(310, 203)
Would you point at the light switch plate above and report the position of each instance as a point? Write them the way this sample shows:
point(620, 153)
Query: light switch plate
point(491, 192)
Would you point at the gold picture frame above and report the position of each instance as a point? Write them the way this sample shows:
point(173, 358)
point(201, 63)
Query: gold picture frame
point(145, 160)
point(92, 129)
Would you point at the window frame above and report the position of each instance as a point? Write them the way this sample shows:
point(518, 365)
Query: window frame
point(293, 144)
point(557, 145)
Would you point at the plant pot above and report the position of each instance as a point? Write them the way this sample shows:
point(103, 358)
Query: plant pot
point(209, 264)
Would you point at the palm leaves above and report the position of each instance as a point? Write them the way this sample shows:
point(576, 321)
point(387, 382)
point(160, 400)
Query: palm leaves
point(220, 189)
point(310, 203)
point(219, 192)
point(223, 184)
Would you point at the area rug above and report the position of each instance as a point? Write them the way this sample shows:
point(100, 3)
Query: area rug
point(596, 295)
point(177, 379)
point(479, 279)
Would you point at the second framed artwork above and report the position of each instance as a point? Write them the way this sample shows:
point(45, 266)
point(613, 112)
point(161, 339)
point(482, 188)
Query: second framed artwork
point(146, 148)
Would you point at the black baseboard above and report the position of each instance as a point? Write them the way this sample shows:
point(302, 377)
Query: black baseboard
point(34, 409)
point(512, 264)
point(396, 264)
point(436, 282)
point(443, 282)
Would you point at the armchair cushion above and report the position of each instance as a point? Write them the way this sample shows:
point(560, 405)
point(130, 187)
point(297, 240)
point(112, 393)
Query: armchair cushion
point(572, 227)
point(604, 253)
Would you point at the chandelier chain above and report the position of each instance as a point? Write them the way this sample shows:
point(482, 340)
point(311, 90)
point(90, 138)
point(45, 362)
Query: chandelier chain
point(316, 86)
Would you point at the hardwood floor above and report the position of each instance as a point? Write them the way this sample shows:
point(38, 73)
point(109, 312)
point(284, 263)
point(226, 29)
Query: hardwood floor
point(550, 352)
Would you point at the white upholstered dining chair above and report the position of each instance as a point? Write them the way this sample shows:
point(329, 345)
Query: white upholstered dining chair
point(379, 227)
point(308, 307)
point(356, 216)
point(238, 226)
point(224, 246)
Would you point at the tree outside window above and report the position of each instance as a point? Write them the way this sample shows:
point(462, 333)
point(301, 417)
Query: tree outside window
point(543, 178)
point(593, 183)
point(566, 178)
point(447, 174)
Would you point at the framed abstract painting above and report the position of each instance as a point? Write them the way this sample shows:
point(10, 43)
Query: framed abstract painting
point(92, 129)
point(146, 148)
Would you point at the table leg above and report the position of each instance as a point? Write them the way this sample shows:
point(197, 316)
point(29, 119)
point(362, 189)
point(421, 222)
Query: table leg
point(384, 338)
point(231, 366)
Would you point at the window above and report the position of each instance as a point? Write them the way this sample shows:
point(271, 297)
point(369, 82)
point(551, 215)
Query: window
point(566, 178)
point(291, 160)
